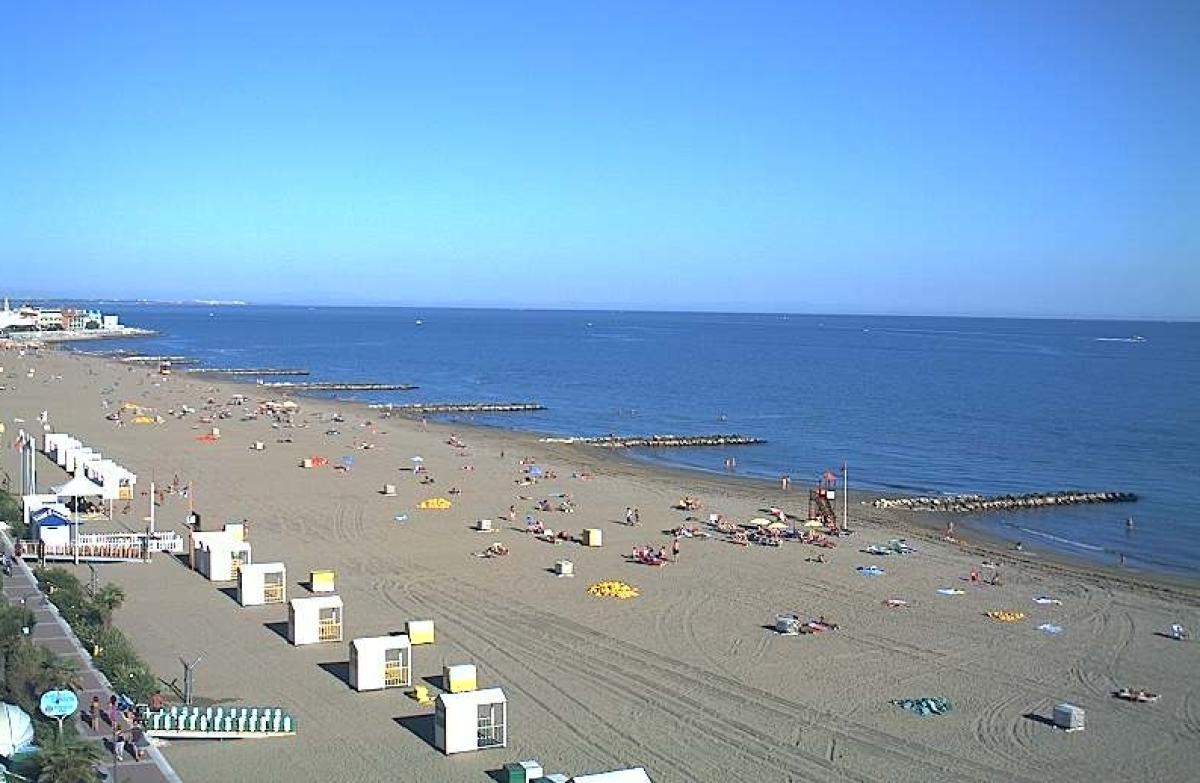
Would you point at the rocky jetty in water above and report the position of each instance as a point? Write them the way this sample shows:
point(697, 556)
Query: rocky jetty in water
point(965, 503)
point(660, 441)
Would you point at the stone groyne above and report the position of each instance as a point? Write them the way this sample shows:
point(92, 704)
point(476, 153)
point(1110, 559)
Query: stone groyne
point(660, 441)
point(966, 503)
point(322, 386)
point(244, 371)
point(463, 407)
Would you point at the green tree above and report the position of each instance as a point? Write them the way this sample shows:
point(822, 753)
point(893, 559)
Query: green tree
point(108, 600)
point(67, 762)
point(57, 672)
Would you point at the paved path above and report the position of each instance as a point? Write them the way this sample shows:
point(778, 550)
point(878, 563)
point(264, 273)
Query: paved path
point(52, 632)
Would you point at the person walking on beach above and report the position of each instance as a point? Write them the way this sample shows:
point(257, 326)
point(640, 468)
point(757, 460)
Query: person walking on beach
point(629, 515)
point(675, 551)
point(94, 714)
point(113, 713)
point(119, 746)
point(637, 518)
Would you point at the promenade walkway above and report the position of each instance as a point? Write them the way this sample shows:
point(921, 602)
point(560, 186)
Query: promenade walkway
point(53, 633)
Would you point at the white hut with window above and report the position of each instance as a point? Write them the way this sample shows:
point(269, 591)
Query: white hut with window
point(315, 620)
point(378, 662)
point(262, 583)
point(220, 558)
point(474, 720)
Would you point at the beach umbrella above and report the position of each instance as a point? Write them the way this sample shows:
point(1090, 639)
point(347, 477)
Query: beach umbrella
point(814, 523)
point(777, 526)
point(759, 522)
point(347, 460)
point(417, 459)
point(535, 471)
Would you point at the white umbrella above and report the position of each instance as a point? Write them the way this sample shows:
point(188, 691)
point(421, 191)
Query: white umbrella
point(418, 459)
point(78, 487)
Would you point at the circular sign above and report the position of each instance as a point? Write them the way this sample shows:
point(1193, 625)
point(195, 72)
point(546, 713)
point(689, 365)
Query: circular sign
point(58, 704)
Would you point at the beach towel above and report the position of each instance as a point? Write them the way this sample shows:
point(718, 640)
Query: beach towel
point(895, 603)
point(1050, 628)
point(1044, 600)
point(950, 591)
point(925, 705)
point(870, 570)
point(1006, 616)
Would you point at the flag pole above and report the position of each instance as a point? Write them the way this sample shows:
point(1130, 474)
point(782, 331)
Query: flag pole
point(845, 496)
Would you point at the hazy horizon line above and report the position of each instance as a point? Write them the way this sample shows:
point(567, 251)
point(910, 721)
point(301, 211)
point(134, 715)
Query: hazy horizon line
point(699, 309)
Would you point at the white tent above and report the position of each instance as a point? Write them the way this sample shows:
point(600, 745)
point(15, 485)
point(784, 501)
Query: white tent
point(16, 730)
point(78, 487)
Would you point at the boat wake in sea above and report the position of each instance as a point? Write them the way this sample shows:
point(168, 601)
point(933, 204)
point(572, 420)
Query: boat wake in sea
point(1137, 338)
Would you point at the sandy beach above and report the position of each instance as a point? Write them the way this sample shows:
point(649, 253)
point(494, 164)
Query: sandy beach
point(688, 680)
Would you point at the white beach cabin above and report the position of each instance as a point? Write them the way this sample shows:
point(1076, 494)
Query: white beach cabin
point(315, 620)
point(378, 662)
point(262, 583)
point(475, 720)
point(220, 558)
point(78, 455)
point(631, 775)
point(57, 445)
point(55, 442)
point(116, 481)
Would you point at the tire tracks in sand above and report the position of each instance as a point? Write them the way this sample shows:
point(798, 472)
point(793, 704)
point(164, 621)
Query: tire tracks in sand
point(620, 668)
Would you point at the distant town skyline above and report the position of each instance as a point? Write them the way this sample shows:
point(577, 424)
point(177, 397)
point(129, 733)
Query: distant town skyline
point(948, 158)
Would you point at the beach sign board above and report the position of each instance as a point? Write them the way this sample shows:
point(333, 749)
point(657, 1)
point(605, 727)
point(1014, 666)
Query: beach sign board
point(58, 703)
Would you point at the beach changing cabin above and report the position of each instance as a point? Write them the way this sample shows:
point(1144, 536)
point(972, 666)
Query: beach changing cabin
point(378, 662)
point(632, 775)
point(315, 620)
point(475, 720)
point(221, 557)
point(321, 581)
point(419, 631)
point(460, 678)
point(592, 536)
point(262, 583)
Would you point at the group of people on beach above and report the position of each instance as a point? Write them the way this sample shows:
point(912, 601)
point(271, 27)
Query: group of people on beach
point(122, 710)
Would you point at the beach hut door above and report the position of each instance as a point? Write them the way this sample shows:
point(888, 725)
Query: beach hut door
point(273, 588)
point(492, 729)
point(395, 668)
point(330, 625)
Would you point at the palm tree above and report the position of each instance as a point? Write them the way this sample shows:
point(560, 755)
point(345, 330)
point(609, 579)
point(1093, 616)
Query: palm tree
point(109, 599)
point(60, 672)
point(69, 761)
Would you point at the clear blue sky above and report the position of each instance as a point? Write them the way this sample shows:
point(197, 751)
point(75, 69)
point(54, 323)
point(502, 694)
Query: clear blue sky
point(1032, 157)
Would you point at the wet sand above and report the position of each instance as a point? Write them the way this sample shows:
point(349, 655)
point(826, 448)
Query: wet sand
point(687, 680)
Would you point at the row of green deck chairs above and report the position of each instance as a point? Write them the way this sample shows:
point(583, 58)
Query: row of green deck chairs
point(243, 720)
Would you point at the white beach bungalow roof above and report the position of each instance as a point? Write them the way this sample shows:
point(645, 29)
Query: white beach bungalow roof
point(78, 487)
point(632, 775)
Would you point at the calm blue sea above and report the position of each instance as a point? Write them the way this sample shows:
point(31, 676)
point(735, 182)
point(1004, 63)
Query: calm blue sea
point(923, 405)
